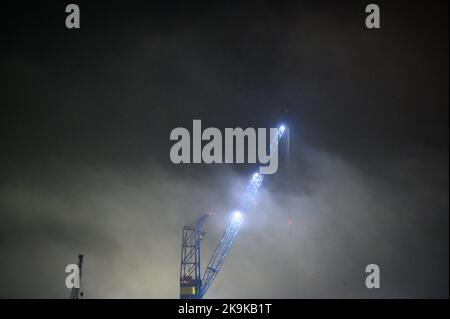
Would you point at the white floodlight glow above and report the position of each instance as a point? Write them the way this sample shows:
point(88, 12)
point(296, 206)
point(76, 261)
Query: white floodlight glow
point(237, 216)
point(282, 128)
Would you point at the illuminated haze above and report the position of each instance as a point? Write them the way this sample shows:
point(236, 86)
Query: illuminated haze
point(85, 166)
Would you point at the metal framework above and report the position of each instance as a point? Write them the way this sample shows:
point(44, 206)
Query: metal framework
point(194, 286)
point(190, 280)
point(76, 292)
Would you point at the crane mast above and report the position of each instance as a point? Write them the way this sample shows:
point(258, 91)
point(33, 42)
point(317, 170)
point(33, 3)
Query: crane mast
point(190, 280)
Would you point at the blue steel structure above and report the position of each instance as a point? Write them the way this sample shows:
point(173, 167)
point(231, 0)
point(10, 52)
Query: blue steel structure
point(190, 280)
point(192, 286)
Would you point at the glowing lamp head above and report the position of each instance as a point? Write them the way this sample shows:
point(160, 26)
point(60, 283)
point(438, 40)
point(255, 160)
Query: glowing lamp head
point(282, 128)
point(237, 216)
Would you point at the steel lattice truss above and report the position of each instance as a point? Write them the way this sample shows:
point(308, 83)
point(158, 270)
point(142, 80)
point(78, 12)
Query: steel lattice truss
point(231, 231)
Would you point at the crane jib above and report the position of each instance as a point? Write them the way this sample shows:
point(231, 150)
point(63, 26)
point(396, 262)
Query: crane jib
point(231, 231)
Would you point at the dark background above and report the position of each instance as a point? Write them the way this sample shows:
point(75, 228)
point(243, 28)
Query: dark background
point(86, 116)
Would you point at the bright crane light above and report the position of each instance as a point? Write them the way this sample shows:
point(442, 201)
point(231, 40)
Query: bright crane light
point(237, 216)
point(282, 128)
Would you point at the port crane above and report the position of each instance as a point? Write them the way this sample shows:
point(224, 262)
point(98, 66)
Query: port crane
point(192, 285)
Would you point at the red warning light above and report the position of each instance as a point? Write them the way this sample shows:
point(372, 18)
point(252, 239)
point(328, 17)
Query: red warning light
point(290, 221)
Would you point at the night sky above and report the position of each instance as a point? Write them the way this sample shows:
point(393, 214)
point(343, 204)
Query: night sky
point(86, 116)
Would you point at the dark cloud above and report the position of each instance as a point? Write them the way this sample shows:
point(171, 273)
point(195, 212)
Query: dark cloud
point(85, 166)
